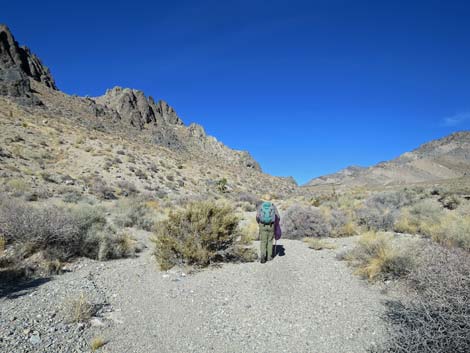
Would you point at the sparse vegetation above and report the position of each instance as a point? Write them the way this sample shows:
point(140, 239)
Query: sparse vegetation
point(79, 309)
point(96, 343)
point(61, 233)
point(201, 233)
point(436, 318)
point(304, 221)
point(136, 212)
point(375, 257)
point(318, 244)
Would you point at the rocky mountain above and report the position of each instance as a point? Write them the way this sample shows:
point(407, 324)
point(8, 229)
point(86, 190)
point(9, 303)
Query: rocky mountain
point(17, 65)
point(445, 158)
point(189, 159)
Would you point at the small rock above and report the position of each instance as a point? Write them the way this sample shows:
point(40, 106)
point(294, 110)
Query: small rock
point(96, 322)
point(35, 339)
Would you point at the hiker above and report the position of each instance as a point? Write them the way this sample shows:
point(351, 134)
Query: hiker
point(268, 219)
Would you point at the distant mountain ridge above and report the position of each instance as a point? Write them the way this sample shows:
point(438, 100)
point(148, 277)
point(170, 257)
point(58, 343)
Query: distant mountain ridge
point(444, 158)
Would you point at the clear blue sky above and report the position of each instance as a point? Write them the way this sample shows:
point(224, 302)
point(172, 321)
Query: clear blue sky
point(308, 87)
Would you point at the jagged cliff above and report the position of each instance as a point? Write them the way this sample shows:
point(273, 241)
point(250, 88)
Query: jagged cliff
point(129, 114)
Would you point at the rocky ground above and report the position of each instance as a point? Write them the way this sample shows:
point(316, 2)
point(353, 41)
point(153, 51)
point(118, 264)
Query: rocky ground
point(302, 301)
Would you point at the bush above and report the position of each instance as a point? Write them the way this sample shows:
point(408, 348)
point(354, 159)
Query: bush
point(72, 196)
point(61, 233)
point(437, 317)
point(99, 188)
point(422, 218)
point(380, 211)
point(375, 257)
point(127, 188)
point(135, 212)
point(453, 230)
point(304, 221)
point(341, 224)
point(201, 233)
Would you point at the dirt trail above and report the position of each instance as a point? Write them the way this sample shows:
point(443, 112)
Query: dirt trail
point(304, 301)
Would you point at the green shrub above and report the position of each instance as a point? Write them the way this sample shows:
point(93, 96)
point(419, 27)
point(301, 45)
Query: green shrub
point(201, 233)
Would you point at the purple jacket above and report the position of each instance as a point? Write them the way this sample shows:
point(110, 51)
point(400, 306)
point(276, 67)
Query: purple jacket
point(277, 228)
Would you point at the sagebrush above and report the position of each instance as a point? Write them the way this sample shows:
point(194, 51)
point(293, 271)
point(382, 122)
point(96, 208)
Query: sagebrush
point(199, 234)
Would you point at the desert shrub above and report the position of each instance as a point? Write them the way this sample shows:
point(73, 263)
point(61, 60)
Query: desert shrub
point(72, 196)
point(222, 185)
point(380, 211)
point(436, 318)
point(99, 188)
point(247, 201)
point(449, 201)
point(453, 231)
point(61, 233)
point(422, 218)
point(375, 257)
point(249, 230)
point(135, 212)
point(341, 224)
point(304, 221)
point(113, 246)
point(17, 187)
point(376, 217)
point(247, 197)
point(199, 234)
point(127, 188)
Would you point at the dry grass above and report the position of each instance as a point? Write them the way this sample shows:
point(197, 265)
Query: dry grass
point(97, 342)
point(375, 257)
point(318, 244)
point(250, 231)
point(79, 309)
point(2, 244)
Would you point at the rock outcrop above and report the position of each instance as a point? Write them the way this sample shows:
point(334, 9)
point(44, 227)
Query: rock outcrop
point(140, 111)
point(17, 66)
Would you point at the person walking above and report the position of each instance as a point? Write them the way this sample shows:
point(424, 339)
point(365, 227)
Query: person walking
point(268, 218)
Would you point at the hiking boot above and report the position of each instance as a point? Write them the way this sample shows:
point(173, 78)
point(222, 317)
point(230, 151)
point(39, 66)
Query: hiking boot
point(263, 260)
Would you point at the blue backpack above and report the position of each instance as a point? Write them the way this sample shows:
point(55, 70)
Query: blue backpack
point(267, 213)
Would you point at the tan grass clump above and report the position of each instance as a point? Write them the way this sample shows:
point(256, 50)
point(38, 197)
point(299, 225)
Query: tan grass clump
point(96, 343)
point(79, 309)
point(375, 257)
point(318, 244)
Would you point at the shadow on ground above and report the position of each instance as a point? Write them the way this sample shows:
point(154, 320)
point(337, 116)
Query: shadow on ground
point(278, 250)
point(13, 285)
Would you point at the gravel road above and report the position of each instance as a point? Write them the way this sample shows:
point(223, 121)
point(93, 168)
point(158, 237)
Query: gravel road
point(303, 301)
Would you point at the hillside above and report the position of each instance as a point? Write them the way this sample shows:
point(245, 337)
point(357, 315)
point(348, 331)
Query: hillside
point(118, 142)
point(445, 158)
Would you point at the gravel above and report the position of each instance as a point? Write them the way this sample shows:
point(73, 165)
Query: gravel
point(304, 301)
